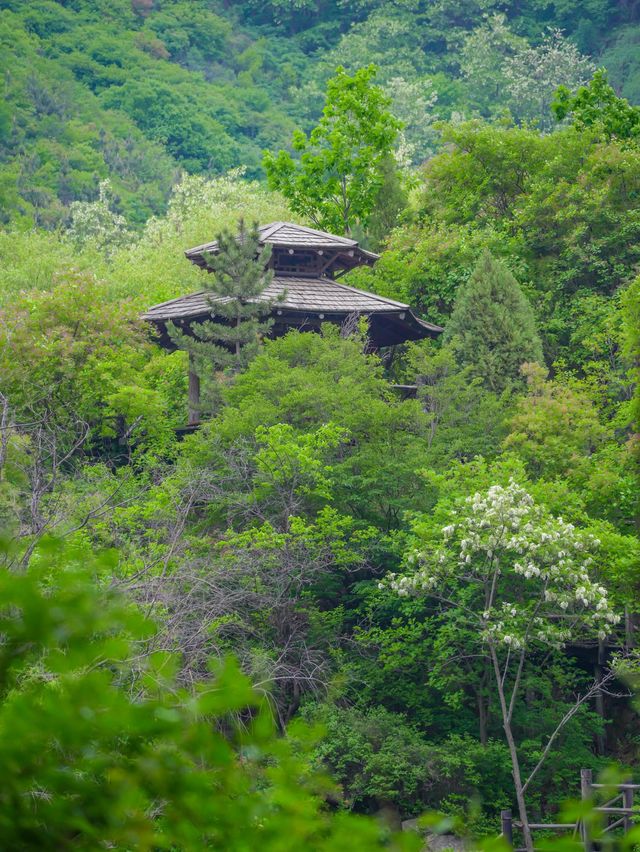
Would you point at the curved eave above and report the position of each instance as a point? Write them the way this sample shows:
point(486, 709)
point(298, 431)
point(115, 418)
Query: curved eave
point(391, 330)
point(386, 328)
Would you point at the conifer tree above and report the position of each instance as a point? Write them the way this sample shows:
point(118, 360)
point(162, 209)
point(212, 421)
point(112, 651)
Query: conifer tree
point(492, 327)
point(238, 278)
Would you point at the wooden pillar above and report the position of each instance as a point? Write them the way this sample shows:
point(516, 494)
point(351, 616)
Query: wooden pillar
point(194, 393)
point(506, 820)
point(586, 791)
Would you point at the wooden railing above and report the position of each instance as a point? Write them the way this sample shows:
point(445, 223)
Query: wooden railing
point(624, 813)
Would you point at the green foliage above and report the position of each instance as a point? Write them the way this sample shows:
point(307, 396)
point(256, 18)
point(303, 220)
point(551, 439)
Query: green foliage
point(533, 73)
point(522, 542)
point(390, 203)
point(620, 58)
point(284, 457)
point(61, 143)
point(134, 92)
point(483, 58)
point(559, 209)
point(378, 759)
point(73, 365)
point(509, 572)
point(342, 161)
point(96, 223)
point(152, 268)
point(266, 533)
point(555, 429)
point(597, 105)
point(164, 114)
point(310, 380)
point(464, 418)
point(88, 764)
point(492, 327)
point(632, 339)
point(124, 97)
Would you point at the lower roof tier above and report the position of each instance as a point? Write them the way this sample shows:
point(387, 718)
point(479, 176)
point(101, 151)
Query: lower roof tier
point(304, 303)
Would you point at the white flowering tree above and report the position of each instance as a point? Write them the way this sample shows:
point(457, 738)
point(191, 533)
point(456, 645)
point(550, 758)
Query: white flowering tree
point(534, 73)
point(522, 581)
point(412, 103)
point(97, 223)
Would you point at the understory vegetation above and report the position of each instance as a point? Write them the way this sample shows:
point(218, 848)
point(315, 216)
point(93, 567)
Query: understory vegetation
point(329, 602)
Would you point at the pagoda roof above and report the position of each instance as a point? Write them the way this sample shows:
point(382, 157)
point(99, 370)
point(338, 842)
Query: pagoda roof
point(303, 302)
point(293, 236)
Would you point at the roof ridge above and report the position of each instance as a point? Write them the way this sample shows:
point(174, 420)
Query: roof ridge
point(270, 229)
point(273, 227)
point(306, 229)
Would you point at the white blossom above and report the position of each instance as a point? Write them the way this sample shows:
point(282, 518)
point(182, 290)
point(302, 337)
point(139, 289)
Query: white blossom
point(96, 222)
point(534, 73)
point(551, 579)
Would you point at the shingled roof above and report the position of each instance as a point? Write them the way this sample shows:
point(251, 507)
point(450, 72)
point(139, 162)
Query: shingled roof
point(304, 302)
point(290, 235)
point(304, 292)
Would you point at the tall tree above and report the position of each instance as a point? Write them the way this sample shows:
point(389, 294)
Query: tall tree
point(235, 288)
point(631, 302)
point(522, 581)
point(341, 164)
point(534, 73)
point(492, 327)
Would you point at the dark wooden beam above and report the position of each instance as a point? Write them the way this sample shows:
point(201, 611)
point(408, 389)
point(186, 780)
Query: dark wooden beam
point(194, 393)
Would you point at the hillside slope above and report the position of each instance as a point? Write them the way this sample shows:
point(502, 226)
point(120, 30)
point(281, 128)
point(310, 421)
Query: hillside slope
point(138, 90)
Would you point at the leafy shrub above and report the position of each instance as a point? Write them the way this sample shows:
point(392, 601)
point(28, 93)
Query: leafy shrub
point(92, 758)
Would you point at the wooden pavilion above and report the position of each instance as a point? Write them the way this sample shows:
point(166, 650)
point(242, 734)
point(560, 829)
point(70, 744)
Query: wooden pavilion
point(304, 293)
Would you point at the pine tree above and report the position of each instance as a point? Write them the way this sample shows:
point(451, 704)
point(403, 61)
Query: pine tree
point(238, 276)
point(492, 328)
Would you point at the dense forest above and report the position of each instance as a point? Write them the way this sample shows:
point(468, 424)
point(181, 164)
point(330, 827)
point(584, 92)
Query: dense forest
point(137, 91)
point(374, 584)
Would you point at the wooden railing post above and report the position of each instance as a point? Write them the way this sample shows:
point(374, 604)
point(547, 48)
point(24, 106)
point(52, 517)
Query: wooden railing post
point(506, 820)
point(586, 792)
point(627, 802)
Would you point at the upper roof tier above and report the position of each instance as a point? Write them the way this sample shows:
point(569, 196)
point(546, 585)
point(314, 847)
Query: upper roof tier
point(331, 253)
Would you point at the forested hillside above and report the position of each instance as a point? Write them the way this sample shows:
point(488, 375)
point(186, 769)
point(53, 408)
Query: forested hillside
point(372, 584)
point(137, 91)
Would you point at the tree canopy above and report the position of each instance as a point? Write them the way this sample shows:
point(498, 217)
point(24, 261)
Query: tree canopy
point(371, 588)
point(492, 326)
point(341, 163)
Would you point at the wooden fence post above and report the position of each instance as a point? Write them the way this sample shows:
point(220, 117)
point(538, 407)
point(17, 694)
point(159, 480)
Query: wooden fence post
point(586, 792)
point(506, 819)
point(627, 802)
